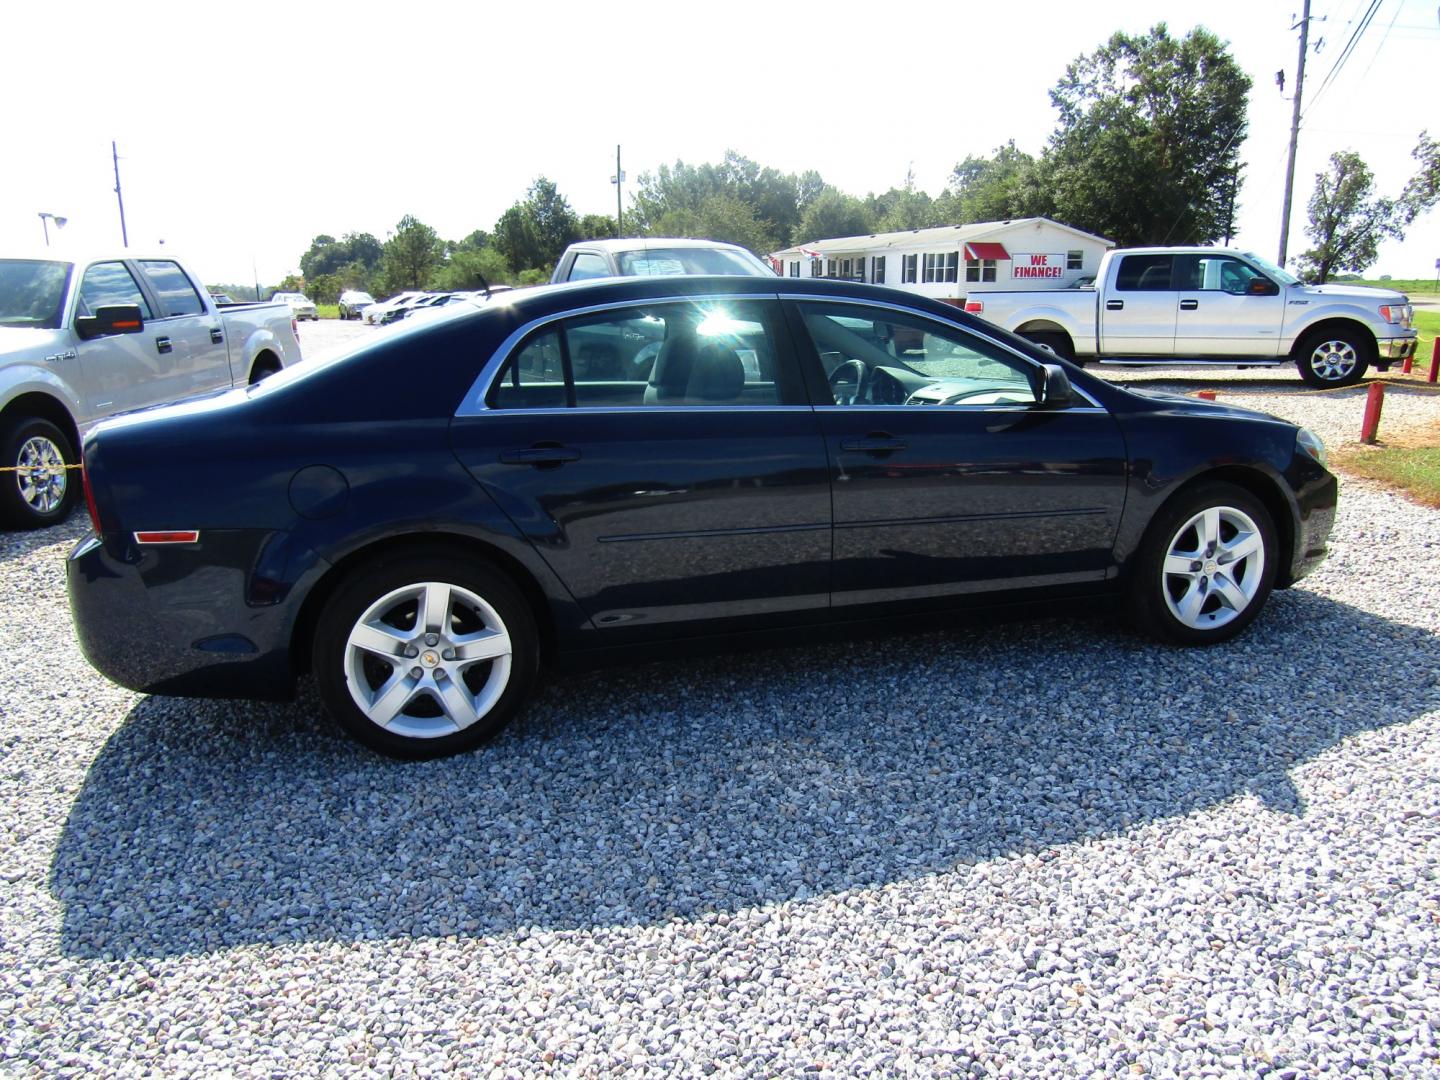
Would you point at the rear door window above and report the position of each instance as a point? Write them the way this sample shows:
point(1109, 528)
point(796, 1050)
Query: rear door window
point(1145, 273)
point(177, 295)
point(588, 265)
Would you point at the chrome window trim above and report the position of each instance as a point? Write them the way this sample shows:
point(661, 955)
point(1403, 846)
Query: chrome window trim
point(630, 410)
point(867, 302)
point(910, 409)
point(473, 404)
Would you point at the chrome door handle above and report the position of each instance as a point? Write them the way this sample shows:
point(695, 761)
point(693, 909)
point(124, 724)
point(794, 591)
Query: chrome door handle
point(1189, 305)
point(539, 456)
point(163, 344)
point(874, 444)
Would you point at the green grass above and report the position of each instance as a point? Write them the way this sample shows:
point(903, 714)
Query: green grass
point(1409, 286)
point(1414, 470)
point(1427, 321)
point(328, 311)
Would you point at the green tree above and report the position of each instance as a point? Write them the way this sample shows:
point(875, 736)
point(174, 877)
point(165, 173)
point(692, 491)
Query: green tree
point(327, 255)
point(598, 227)
point(532, 233)
point(1423, 189)
point(904, 208)
point(832, 214)
point(1347, 220)
point(995, 188)
point(681, 193)
point(411, 255)
point(1149, 136)
point(723, 217)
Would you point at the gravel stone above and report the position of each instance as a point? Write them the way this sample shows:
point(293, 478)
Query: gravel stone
point(1042, 848)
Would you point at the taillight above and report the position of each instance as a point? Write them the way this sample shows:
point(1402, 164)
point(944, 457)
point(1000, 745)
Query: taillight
point(974, 307)
point(294, 327)
point(90, 499)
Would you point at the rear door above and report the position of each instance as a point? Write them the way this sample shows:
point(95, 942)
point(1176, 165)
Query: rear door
point(1137, 315)
point(192, 336)
point(662, 459)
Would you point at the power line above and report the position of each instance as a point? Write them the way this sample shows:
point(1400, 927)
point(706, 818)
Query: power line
point(1345, 53)
point(1381, 47)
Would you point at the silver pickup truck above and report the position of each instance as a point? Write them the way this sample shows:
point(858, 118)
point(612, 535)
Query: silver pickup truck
point(1199, 305)
point(82, 340)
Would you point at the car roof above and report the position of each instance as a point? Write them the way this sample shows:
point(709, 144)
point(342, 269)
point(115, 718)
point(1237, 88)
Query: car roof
point(645, 243)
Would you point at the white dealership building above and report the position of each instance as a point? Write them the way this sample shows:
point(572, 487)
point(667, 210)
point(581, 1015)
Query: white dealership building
point(953, 261)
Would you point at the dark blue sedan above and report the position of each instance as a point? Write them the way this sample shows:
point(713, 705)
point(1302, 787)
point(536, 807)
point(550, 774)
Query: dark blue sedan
point(424, 522)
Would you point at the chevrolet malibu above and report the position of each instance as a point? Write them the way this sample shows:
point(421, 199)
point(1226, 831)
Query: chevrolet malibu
point(425, 522)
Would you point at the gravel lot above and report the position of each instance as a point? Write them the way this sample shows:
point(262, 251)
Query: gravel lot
point(1038, 849)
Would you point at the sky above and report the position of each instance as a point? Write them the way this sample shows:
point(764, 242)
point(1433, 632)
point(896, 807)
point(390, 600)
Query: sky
point(243, 132)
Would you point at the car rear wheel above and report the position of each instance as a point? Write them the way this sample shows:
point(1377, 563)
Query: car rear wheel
point(425, 655)
point(42, 489)
point(1333, 358)
point(1205, 568)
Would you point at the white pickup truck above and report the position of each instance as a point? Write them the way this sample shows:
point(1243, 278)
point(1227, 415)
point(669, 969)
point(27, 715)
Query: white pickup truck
point(1210, 306)
point(84, 339)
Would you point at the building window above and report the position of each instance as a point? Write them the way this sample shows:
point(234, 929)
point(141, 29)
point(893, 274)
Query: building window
point(907, 269)
point(1074, 260)
point(816, 270)
point(943, 267)
point(877, 269)
point(979, 269)
point(794, 267)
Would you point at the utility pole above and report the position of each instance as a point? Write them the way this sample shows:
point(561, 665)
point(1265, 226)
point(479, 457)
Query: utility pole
point(1294, 131)
point(115, 156)
point(617, 180)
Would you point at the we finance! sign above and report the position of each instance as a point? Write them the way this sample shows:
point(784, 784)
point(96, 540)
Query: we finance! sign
point(1037, 266)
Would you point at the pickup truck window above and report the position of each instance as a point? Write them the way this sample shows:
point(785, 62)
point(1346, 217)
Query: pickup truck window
point(588, 265)
point(31, 292)
point(111, 283)
point(177, 294)
point(1145, 273)
point(1214, 273)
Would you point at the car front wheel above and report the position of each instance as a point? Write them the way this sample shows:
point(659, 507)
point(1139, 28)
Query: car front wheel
point(39, 486)
point(424, 656)
point(1330, 359)
point(1205, 568)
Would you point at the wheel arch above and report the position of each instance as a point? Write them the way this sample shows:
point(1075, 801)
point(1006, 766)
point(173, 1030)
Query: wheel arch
point(265, 358)
point(1265, 489)
point(43, 406)
point(1337, 325)
point(455, 544)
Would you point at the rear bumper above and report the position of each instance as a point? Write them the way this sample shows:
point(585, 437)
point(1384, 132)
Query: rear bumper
point(185, 620)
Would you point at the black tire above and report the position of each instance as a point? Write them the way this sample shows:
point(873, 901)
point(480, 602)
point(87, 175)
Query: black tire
point(1156, 598)
point(365, 594)
point(23, 503)
point(1327, 359)
point(262, 370)
point(1057, 341)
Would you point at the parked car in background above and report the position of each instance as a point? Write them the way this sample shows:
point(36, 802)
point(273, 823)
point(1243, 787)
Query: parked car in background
point(81, 340)
point(655, 256)
point(301, 306)
point(221, 299)
point(375, 313)
point(1211, 306)
point(353, 303)
point(624, 463)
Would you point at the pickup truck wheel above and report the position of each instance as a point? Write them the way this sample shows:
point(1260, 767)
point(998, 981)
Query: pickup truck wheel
point(423, 655)
point(1205, 567)
point(1056, 342)
point(1330, 359)
point(262, 370)
point(42, 490)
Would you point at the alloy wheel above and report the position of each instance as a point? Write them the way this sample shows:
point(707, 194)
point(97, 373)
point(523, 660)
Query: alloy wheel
point(42, 475)
point(427, 660)
point(1214, 566)
point(1332, 361)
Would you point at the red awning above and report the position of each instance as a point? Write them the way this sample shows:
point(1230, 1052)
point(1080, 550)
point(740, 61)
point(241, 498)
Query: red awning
point(986, 251)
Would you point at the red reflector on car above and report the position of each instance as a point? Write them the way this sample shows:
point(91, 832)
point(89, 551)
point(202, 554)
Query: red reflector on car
point(90, 499)
point(974, 307)
point(174, 536)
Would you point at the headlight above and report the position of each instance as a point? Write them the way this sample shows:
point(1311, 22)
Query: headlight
point(1307, 441)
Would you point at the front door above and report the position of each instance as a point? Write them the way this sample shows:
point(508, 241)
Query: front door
point(119, 372)
point(663, 461)
point(1220, 315)
point(949, 477)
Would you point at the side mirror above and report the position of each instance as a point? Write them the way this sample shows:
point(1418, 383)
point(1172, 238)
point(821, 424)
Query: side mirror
point(1054, 386)
point(110, 319)
point(1262, 287)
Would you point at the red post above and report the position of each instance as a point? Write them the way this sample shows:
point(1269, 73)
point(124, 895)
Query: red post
point(1405, 367)
point(1373, 401)
point(1434, 361)
point(1208, 395)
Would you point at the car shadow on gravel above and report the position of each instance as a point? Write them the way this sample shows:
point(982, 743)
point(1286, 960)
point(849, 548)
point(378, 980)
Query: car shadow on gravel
point(663, 791)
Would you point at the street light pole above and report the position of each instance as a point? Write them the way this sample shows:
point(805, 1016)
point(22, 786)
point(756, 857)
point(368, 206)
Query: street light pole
point(45, 219)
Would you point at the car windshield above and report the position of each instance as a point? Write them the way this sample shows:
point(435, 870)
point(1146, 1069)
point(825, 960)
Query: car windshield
point(31, 292)
point(1278, 273)
point(672, 261)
